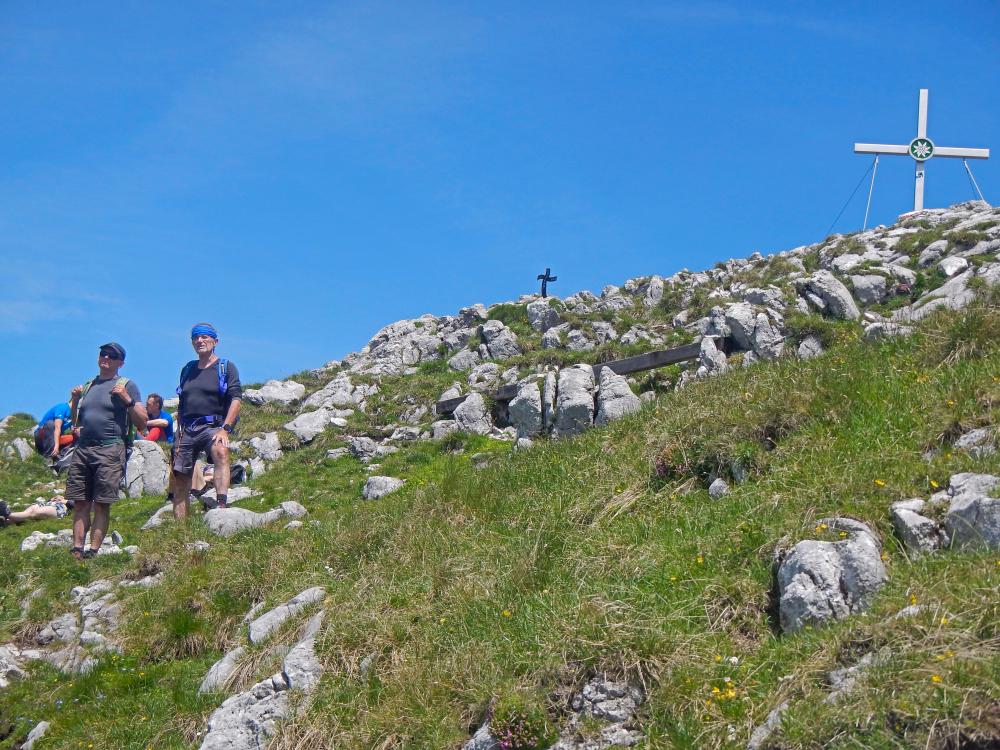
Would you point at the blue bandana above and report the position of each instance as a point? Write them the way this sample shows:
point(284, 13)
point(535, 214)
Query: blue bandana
point(204, 330)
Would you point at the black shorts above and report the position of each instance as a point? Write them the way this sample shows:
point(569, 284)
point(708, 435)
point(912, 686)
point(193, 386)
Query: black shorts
point(190, 444)
point(95, 473)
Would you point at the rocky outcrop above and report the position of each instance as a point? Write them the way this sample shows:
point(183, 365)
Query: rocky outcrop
point(823, 580)
point(829, 295)
point(499, 342)
point(614, 398)
point(472, 415)
point(146, 472)
point(226, 522)
point(310, 424)
point(542, 315)
point(525, 410)
point(262, 627)
point(574, 411)
point(282, 392)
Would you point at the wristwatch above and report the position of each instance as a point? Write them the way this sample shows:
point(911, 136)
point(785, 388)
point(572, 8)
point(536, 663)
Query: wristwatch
point(228, 428)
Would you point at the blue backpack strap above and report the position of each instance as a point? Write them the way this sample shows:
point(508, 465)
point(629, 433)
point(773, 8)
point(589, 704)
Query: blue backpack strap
point(223, 378)
point(184, 374)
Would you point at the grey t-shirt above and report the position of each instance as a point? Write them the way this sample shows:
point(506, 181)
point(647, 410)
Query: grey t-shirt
point(103, 416)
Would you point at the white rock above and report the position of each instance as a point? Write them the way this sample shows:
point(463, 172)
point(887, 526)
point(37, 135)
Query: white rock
point(718, 488)
point(473, 416)
point(614, 398)
point(275, 391)
point(952, 265)
point(146, 472)
point(542, 315)
point(262, 627)
point(525, 409)
point(377, 486)
point(574, 400)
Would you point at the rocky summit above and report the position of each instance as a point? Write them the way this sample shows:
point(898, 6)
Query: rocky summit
point(755, 505)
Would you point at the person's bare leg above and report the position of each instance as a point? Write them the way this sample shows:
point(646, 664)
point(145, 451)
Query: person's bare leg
point(220, 477)
point(198, 478)
point(81, 521)
point(102, 519)
point(182, 495)
point(33, 513)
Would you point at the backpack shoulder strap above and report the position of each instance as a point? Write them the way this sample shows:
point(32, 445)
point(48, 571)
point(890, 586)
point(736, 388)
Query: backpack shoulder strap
point(223, 376)
point(184, 374)
point(86, 387)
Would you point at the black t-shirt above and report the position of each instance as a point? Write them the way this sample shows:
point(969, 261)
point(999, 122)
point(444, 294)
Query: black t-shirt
point(200, 396)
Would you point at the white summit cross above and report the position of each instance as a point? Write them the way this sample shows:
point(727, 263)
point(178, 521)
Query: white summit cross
point(921, 149)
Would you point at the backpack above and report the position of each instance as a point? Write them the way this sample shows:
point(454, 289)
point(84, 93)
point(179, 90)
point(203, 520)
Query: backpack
point(223, 369)
point(130, 433)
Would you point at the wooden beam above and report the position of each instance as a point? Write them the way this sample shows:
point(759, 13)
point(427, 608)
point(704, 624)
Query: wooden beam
point(651, 360)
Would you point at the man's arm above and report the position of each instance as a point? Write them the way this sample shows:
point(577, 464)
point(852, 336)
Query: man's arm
point(221, 436)
point(156, 422)
point(56, 432)
point(74, 402)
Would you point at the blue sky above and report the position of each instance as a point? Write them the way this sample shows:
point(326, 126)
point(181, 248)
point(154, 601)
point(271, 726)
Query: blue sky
point(301, 174)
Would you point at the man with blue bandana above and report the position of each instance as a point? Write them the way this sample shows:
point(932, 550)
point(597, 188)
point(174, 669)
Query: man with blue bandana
point(210, 398)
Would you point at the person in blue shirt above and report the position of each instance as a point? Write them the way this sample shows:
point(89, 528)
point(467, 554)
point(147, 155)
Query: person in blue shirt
point(54, 431)
point(159, 422)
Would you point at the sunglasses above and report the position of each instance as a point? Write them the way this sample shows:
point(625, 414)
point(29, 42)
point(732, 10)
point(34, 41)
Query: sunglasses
point(109, 355)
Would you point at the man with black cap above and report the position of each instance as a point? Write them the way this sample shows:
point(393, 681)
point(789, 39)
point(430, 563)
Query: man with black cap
point(102, 409)
point(210, 398)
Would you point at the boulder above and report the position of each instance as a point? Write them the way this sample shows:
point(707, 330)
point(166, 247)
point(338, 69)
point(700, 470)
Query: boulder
point(226, 522)
point(741, 320)
point(473, 416)
point(918, 532)
point(307, 426)
point(542, 315)
point(443, 427)
point(275, 391)
point(604, 332)
point(11, 667)
point(377, 487)
point(614, 398)
point(711, 361)
point(768, 341)
point(22, 448)
point(365, 449)
point(577, 341)
point(552, 338)
point(978, 442)
point(339, 393)
point(822, 580)
point(146, 472)
point(870, 289)
point(718, 488)
point(221, 671)
point(525, 409)
point(36, 733)
point(932, 253)
point(466, 359)
point(952, 265)
point(484, 376)
point(500, 341)
point(973, 517)
point(837, 300)
point(574, 400)
point(549, 402)
point(267, 446)
point(810, 347)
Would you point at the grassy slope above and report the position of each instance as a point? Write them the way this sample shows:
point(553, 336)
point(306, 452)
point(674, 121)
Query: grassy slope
point(598, 553)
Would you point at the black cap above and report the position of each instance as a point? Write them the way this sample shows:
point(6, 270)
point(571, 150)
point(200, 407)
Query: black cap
point(116, 348)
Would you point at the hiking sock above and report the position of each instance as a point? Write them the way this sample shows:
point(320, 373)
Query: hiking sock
point(202, 491)
point(222, 499)
point(4, 509)
point(170, 497)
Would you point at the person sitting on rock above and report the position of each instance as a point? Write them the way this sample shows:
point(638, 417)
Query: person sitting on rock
point(54, 431)
point(210, 399)
point(160, 424)
point(39, 510)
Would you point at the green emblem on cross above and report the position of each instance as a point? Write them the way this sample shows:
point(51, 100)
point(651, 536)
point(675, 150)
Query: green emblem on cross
point(921, 149)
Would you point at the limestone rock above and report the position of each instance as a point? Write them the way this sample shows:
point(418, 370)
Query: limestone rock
point(614, 398)
point(542, 315)
point(464, 360)
point(376, 487)
point(262, 627)
point(549, 402)
point(978, 442)
point(810, 347)
point(973, 517)
point(229, 521)
point(22, 448)
point(473, 416)
point(10, 665)
point(221, 671)
point(870, 289)
point(574, 400)
point(718, 488)
point(310, 424)
point(837, 300)
point(267, 446)
point(365, 449)
point(443, 428)
point(484, 376)
point(952, 265)
point(918, 533)
point(500, 341)
point(36, 733)
point(525, 409)
point(711, 361)
point(577, 341)
point(821, 580)
point(932, 253)
point(146, 472)
point(767, 342)
point(275, 391)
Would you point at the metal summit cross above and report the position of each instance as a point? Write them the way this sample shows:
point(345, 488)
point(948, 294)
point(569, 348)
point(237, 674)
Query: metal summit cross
point(545, 278)
point(921, 149)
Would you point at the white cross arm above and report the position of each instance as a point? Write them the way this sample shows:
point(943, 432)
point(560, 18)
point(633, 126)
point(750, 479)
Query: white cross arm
point(962, 153)
point(880, 148)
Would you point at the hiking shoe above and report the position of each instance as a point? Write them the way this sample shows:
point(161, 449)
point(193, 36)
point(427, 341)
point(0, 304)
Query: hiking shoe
point(77, 552)
point(89, 553)
point(199, 493)
point(209, 503)
point(222, 504)
point(4, 509)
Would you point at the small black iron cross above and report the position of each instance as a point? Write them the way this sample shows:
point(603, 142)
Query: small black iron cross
point(545, 278)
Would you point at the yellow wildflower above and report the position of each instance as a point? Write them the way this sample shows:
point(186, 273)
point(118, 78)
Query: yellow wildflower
point(934, 484)
point(944, 620)
point(880, 483)
point(505, 613)
point(913, 598)
point(935, 678)
point(700, 559)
